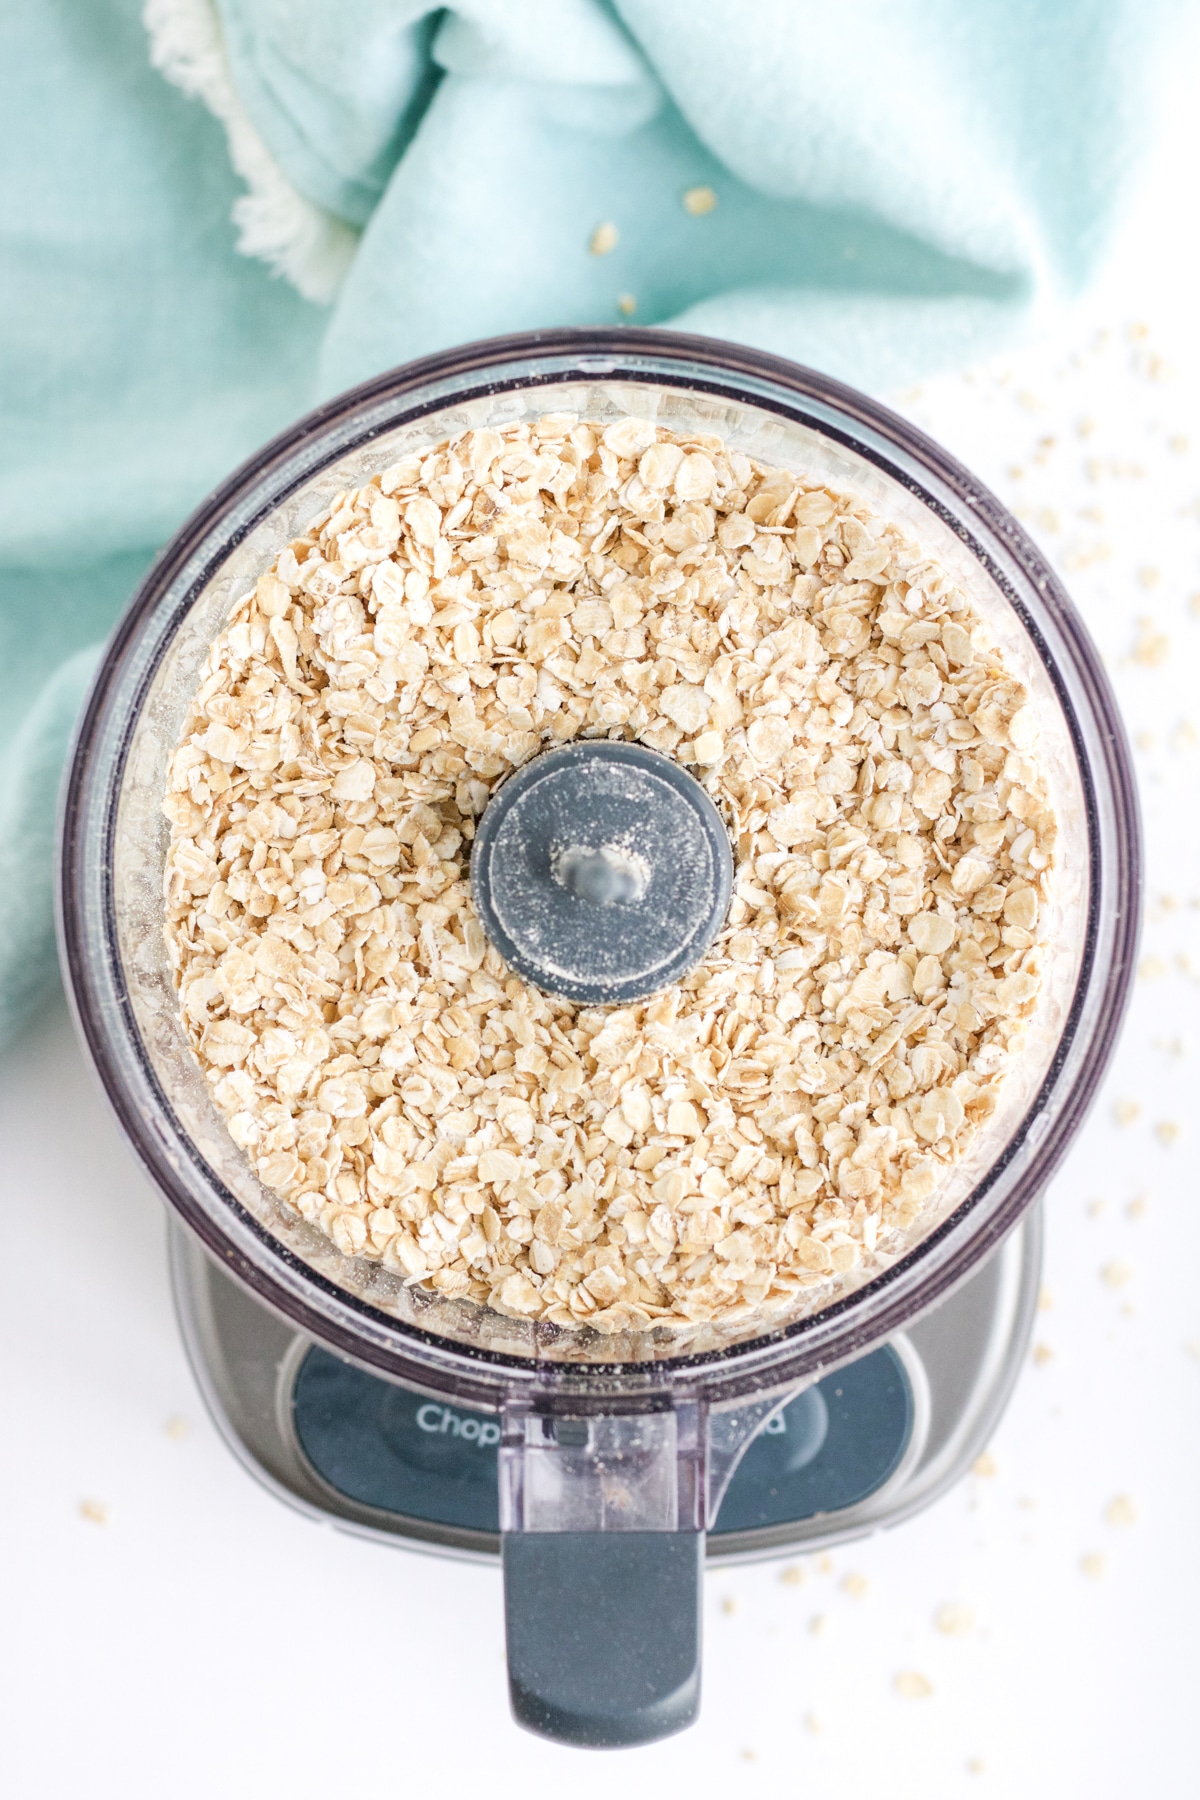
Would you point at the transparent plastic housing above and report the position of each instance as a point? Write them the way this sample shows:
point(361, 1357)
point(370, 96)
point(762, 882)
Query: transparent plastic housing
point(115, 838)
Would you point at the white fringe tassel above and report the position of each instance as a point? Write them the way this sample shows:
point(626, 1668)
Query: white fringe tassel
point(299, 240)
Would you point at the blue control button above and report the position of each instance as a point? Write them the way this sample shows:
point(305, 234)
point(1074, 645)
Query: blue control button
point(828, 1449)
point(400, 1452)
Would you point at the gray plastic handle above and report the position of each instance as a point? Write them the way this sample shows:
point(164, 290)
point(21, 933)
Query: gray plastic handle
point(603, 1633)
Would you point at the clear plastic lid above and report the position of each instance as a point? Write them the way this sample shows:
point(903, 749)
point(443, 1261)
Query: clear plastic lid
point(115, 839)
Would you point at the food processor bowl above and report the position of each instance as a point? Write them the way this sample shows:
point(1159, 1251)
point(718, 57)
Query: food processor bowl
point(615, 1450)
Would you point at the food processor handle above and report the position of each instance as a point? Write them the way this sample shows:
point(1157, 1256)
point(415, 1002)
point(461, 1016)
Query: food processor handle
point(603, 1632)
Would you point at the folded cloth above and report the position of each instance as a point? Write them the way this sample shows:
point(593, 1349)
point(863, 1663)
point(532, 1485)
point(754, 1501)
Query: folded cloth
point(879, 188)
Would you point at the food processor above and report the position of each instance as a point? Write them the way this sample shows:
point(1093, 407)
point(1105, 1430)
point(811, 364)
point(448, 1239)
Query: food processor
point(603, 1470)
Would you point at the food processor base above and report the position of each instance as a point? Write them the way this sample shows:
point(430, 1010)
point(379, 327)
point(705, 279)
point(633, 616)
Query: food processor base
point(867, 1446)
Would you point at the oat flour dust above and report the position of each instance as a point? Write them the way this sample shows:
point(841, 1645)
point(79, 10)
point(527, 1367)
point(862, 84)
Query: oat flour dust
point(730, 1149)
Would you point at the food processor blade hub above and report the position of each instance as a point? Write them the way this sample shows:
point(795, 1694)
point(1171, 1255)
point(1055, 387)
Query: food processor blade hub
point(602, 871)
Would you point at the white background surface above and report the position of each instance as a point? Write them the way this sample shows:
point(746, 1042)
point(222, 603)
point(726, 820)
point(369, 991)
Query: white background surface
point(195, 1638)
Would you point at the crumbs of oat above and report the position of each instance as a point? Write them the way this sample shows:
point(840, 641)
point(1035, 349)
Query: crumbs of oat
point(729, 1149)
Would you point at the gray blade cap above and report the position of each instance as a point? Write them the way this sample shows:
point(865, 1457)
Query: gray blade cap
point(601, 871)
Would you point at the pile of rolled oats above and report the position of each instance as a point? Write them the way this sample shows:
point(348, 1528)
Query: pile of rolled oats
point(781, 1116)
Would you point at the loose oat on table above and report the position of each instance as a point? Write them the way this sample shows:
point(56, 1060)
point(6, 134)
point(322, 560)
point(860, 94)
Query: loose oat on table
point(954, 1618)
point(728, 1149)
point(911, 1685)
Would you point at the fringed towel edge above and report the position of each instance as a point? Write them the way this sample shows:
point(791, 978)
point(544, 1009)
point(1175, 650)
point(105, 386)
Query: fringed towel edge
point(297, 239)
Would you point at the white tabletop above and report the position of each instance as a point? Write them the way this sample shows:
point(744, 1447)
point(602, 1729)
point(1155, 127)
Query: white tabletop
point(170, 1631)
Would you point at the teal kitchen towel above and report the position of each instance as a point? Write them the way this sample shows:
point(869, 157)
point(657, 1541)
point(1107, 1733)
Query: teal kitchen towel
point(218, 213)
